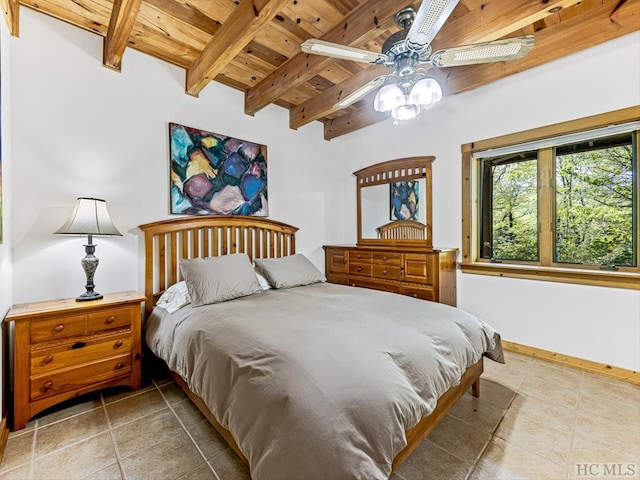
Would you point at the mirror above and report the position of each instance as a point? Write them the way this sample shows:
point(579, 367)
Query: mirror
point(378, 209)
point(394, 202)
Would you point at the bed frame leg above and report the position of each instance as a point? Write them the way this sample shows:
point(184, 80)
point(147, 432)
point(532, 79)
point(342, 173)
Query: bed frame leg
point(475, 388)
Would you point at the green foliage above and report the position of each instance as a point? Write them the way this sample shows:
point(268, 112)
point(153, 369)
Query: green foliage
point(515, 211)
point(594, 207)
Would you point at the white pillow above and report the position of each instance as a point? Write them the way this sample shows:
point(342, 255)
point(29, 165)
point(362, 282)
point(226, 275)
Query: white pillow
point(174, 298)
point(262, 281)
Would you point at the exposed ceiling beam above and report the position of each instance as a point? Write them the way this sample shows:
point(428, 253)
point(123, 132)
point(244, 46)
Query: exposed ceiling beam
point(236, 32)
point(322, 104)
point(363, 24)
point(364, 115)
point(123, 17)
point(497, 20)
point(607, 21)
point(11, 13)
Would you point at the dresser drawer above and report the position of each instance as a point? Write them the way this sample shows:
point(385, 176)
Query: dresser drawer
point(60, 381)
point(358, 256)
point(387, 258)
point(360, 269)
point(109, 319)
point(58, 327)
point(373, 285)
point(425, 293)
point(383, 271)
point(76, 353)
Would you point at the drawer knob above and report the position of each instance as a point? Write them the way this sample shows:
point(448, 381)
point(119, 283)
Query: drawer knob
point(415, 295)
point(359, 269)
point(77, 345)
point(47, 359)
point(47, 385)
point(58, 328)
point(110, 320)
point(384, 258)
point(119, 365)
point(384, 272)
point(118, 344)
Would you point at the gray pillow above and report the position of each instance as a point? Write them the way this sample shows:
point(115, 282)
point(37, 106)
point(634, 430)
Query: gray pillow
point(217, 279)
point(291, 271)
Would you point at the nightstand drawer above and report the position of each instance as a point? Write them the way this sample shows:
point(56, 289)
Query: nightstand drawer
point(61, 381)
point(79, 352)
point(109, 319)
point(58, 327)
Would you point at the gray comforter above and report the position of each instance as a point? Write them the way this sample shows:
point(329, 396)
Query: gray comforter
point(321, 381)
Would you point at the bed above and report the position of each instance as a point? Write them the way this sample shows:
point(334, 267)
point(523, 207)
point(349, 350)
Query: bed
point(299, 381)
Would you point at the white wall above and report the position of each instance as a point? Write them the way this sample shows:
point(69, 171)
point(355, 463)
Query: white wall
point(6, 290)
point(599, 324)
point(80, 129)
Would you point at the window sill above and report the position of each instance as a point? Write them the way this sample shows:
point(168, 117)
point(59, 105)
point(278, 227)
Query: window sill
point(626, 280)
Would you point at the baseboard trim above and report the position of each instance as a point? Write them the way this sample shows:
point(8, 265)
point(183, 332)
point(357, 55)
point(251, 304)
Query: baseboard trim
point(580, 363)
point(4, 435)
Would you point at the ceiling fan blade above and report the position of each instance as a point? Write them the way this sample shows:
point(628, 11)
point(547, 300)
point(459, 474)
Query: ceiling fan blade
point(429, 20)
point(335, 50)
point(487, 52)
point(359, 93)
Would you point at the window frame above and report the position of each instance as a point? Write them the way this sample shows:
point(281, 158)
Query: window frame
point(545, 268)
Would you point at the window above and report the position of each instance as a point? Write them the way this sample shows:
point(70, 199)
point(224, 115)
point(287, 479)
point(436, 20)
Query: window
point(557, 203)
point(509, 206)
point(595, 205)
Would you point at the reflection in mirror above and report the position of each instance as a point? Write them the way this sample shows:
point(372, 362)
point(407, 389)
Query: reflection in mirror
point(377, 208)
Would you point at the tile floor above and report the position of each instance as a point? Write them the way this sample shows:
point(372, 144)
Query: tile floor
point(534, 420)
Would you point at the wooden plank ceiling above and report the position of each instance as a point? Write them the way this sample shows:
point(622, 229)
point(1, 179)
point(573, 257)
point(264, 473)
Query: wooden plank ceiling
point(254, 45)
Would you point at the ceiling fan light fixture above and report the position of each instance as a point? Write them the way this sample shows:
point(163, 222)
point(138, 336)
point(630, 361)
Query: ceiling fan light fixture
point(405, 112)
point(425, 92)
point(388, 98)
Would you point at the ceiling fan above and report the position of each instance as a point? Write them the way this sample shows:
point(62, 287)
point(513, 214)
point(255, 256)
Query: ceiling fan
point(408, 54)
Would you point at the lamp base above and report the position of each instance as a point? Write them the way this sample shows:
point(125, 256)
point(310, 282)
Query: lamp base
point(86, 296)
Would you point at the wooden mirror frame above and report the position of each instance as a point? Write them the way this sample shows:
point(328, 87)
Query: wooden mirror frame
point(399, 170)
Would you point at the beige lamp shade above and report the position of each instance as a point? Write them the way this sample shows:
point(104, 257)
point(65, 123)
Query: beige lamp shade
point(89, 217)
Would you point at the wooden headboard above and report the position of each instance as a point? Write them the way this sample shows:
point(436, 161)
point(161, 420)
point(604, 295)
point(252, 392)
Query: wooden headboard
point(403, 230)
point(168, 241)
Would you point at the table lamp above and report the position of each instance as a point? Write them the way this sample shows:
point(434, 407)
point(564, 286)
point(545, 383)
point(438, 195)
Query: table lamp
point(89, 217)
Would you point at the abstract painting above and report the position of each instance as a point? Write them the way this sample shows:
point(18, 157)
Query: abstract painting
point(404, 200)
point(213, 174)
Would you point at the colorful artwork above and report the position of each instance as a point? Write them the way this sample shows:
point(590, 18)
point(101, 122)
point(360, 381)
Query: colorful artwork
point(215, 174)
point(404, 200)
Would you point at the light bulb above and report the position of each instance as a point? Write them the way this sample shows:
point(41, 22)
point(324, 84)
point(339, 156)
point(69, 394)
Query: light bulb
point(388, 97)
point(425, 92)
point(405, 112)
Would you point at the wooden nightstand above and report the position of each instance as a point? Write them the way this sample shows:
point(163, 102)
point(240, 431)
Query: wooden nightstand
point(64, 348)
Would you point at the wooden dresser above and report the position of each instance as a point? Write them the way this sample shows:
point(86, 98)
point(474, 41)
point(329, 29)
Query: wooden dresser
point(421, 273)
point(395, 250)
point(64, 348)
